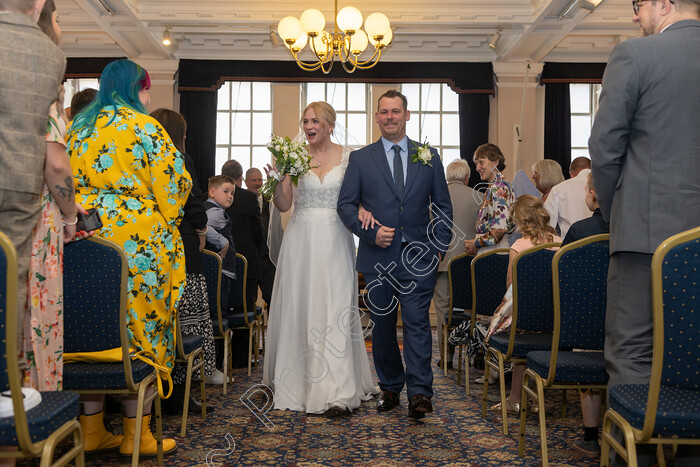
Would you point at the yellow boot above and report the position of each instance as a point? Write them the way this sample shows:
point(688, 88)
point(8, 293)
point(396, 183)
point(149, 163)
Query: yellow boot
point(95, 436)
point(149, 445)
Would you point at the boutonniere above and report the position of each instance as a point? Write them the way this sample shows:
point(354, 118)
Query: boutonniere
point(422, 154)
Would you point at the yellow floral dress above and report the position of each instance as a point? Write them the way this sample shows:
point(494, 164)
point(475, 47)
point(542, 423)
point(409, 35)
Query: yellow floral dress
point(43, 330)
point(131, 171)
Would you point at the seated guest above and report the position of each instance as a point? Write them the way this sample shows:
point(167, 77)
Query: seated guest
point(218, 236)
point(565, 203)
point(522, 185)
point(81, 100)
point(590, 399)
point(494, 220)
point(246, 229)
point(546, 174)
point(465, 208)
point(253, 182)
point(593, 225)
point(193, 311)
point(532, 220)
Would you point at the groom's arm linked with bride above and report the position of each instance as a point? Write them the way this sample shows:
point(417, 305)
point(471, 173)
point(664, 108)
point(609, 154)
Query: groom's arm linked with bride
point(399, 269)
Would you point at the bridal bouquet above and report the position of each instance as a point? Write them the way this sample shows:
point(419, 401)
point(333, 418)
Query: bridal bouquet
point(291, 158)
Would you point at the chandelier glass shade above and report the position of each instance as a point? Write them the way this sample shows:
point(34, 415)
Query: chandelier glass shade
point(345, 43)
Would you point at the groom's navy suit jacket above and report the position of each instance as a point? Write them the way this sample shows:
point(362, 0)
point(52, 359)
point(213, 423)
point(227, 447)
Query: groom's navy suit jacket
point(368, 181)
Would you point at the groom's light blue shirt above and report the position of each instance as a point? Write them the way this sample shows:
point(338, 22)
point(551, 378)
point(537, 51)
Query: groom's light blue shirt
point(389, 150)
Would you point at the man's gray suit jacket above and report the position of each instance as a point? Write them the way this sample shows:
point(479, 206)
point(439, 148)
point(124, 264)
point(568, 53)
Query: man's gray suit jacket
point(645, 142)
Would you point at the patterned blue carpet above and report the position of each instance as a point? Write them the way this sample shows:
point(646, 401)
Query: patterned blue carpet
point(454, 435)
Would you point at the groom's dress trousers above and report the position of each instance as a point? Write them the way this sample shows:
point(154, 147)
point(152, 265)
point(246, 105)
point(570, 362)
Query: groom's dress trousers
point(403, 273)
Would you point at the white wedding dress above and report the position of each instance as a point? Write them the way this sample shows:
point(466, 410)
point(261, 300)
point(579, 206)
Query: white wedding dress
point(316, 357)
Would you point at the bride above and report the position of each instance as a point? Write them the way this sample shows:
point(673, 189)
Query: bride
point(316, 360)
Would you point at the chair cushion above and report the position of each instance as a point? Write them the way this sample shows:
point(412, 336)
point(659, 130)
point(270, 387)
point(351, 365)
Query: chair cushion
point(191, 343)
point(55, 409)
point(238, 320)
point(572, 367)
point(90, 375)
point(524, 343)
point(458, 317)
point(678, 412)
point(224, 324)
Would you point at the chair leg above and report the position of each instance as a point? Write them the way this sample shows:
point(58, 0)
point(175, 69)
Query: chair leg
point(543, 423)
point(202, 389)
point(250, 349)
point(487, 376)
point(188, 382)
point(523, 414)
point(627, 452)
point(504, 398)
point(257, 342)
point(660, 459)
point(137, 428)
point(159, 429)
point(466, 371)
point(227, 344)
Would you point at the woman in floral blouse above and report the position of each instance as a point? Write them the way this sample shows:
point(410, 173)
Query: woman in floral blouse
point(125, 164)
point(494, 220)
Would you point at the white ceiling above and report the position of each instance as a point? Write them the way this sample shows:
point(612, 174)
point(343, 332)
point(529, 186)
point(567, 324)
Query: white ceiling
point(424, 31)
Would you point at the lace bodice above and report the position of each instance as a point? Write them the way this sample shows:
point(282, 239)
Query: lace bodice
point(315, 193)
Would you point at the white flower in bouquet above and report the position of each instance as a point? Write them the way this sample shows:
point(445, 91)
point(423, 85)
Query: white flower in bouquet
point(290, 158)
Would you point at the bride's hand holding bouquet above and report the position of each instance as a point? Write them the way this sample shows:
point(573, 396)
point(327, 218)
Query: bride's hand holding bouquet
point(290, 158)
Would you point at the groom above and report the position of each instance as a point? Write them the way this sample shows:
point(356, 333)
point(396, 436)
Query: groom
point(399, 256)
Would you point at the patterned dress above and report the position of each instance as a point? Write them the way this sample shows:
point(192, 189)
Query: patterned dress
point(494, 219)
point(131, 171)
point(43, 330)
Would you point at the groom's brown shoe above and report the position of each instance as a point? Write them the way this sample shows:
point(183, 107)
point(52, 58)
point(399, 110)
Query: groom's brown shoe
point(418, 406)
point(387, 401)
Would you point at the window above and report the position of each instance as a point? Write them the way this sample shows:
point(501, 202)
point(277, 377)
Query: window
point(74, 86)
point(584, 105)
point(243, 124)
point(350, 101)
point(434, 117)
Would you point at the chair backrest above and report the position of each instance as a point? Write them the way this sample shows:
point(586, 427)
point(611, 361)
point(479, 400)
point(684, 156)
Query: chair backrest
point(579, 278)
point(489, 272)
point(9, 367)
point(676, 288)
point(8, 307)
point(459, 272)
point(675, 273)
point(533, 307)
point(211, 268)
point(237, 298)
point(95, 276)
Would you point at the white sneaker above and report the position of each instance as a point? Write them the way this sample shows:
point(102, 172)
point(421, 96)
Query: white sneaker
point(216, 378)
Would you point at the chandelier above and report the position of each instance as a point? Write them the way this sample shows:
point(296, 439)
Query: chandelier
point(345, 44)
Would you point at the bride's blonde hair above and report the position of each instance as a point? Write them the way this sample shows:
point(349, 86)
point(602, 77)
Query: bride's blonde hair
point(324, 112)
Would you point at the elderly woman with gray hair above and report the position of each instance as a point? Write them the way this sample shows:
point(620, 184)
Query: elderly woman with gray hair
point(546, 173)
point(465, 208)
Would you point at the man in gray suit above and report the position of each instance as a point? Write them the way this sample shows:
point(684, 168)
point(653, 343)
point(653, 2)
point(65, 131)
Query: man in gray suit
point(465, 209)
point(645, 149)
point(31, 68)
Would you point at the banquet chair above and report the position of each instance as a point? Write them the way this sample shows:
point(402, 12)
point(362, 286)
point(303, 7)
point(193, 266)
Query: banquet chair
point(189, 348)
point(667, 410)
point(532, 311)
point(95, 292)
point(488, 284)
point(459, 306)
point(37, 431)
point(211, 268)
point(579, 283)
point(245, 319)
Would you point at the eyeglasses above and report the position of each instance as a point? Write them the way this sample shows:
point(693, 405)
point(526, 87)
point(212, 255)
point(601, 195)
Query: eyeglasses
point(635, 5)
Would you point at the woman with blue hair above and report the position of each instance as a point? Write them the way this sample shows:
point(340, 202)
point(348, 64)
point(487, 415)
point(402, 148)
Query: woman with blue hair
point(125, 164)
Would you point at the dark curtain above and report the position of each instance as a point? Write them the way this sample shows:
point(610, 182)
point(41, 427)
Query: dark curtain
point(199, 110)
point(200, 79)
point(557, 125)
point(473, 128)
